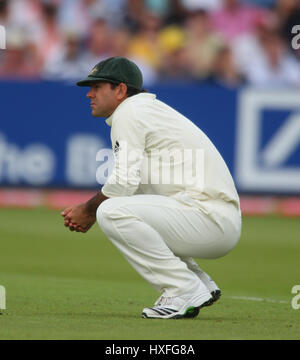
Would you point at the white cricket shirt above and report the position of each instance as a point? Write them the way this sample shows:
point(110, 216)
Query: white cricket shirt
point(159, 151)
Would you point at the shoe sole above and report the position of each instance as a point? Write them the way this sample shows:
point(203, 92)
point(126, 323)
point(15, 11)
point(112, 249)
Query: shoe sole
point(193, 313)
point(190, 312)
point(215, 296)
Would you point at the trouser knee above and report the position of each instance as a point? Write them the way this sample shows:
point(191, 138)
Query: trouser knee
point(103, 217)
point(107, 213)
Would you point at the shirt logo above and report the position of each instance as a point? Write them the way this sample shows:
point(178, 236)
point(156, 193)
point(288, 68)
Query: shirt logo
point(116, 147)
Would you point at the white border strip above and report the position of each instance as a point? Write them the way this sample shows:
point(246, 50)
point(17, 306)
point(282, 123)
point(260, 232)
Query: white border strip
point(251, 298)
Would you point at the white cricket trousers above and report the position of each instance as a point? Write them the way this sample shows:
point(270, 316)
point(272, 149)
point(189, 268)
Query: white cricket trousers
point(158, 235)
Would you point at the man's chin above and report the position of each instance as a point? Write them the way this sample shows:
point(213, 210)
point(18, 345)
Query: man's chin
point(95, 114)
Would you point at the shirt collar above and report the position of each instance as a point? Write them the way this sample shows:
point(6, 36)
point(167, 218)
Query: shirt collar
point(110, 118)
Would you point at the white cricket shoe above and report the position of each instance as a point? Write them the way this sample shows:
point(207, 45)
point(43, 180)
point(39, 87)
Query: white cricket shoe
point(184, 306)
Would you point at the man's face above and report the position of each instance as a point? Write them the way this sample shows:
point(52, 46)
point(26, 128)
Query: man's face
point(103, 99)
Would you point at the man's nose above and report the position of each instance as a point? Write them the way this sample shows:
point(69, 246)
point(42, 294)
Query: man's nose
point(89, 94)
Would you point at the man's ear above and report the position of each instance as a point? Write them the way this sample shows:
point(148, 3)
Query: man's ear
point(122, 91)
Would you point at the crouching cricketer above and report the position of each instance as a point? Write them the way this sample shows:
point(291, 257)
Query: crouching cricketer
point(159, 222)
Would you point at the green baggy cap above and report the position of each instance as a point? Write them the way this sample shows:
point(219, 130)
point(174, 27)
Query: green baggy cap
point(115, 70)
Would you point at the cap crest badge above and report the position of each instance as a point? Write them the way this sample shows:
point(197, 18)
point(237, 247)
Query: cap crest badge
point(94, 70)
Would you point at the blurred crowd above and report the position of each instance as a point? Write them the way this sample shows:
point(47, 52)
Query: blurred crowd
point(229, 42)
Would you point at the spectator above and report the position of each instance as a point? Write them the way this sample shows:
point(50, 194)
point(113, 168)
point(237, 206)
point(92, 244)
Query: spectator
point(208, 5)
point(19, 60)
point(134, 14)
point(98, 44)
point(277, 68)
point(119, 47)
point(262, 3)
point(120, 39)
point(235, 19)
point(175, 62)
point(114, 11)
point(202, 44)
point(224, 71)
point(162, 7)
point(250, 45)
point(288, 15)
point(4, 12)
point(48, 36)
point(176, 66)
point(75, 15)
point(67, 63)
point(145, 43)
point(172, 11)
point(21, 13)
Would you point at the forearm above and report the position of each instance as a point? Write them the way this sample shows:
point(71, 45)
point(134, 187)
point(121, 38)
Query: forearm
point(92, 204)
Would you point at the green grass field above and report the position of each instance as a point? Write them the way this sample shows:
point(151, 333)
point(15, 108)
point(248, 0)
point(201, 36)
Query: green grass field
point(64, 285)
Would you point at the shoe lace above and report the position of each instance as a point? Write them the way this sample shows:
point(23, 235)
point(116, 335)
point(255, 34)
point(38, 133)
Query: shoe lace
point(163, 301)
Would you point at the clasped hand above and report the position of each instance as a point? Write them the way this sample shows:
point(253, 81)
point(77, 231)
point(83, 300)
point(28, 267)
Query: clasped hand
point(77, 218)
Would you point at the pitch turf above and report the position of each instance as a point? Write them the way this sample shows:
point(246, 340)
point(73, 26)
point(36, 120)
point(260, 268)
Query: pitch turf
point(63, 285)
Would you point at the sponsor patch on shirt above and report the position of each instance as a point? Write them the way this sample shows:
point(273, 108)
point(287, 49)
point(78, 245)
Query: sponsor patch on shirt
point(116, 147)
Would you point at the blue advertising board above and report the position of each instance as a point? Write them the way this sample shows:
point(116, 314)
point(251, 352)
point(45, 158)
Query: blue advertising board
point(48, 137)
